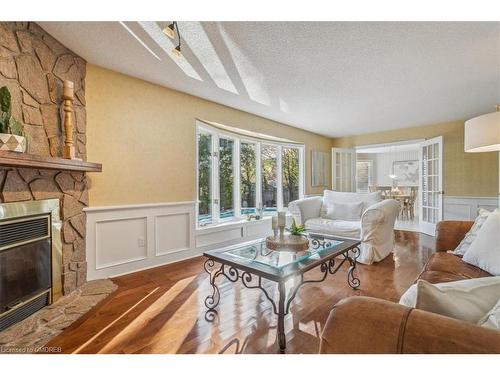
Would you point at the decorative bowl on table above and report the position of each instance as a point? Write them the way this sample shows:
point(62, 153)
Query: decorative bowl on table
point(289, 242)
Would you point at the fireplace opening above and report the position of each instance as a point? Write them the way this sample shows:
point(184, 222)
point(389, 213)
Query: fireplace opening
point(26, 259)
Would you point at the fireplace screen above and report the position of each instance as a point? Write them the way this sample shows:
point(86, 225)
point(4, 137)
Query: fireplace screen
point(25, 261)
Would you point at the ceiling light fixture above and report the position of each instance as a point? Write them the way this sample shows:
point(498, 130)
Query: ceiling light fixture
point(169, 30)
point(482, 134)
point(177, 50)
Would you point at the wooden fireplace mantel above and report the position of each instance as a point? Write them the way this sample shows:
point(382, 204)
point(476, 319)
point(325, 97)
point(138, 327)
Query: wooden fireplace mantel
point(20, 160)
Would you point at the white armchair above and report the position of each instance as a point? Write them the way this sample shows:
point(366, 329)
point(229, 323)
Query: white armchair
point(375, 228)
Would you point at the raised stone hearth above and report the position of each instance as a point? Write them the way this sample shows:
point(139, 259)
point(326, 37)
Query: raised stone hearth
point(47, 323)
point(33, 65)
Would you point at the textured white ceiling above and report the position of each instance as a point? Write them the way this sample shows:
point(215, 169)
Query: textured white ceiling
point(332, 78)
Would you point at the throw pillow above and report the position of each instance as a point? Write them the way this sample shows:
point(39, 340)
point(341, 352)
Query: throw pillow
point(484, 251)
point(345, 211)
point(492, 318)
point(467, 299)
point(464, 245)
point(469, 304)
point(330, 197)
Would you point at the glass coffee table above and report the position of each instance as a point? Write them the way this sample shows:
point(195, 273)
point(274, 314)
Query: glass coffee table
point(252, 261)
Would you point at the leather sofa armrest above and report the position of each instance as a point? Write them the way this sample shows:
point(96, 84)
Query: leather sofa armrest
point(449, 233)
point(362, 325)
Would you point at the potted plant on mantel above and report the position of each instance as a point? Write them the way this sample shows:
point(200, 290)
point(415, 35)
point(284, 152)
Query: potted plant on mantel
point(11, 131)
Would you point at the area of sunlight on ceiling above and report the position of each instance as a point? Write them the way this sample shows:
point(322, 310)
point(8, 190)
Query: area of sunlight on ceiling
point(195, 37)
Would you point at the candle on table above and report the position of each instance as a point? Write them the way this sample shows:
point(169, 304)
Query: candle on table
point(275, 222)
point(281, 219)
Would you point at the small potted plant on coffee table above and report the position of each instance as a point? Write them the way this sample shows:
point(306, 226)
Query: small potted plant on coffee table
point(11, 131)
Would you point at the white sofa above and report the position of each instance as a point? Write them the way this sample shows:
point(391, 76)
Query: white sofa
point(372, 221)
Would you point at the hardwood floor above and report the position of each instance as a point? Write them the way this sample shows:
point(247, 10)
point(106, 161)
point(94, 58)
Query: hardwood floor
point(162, 310)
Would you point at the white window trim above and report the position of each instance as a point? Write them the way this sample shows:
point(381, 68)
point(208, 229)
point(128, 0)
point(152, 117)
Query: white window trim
point(218, 133)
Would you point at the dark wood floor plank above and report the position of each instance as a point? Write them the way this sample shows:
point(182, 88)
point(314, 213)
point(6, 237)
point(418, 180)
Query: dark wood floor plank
point(162, 310)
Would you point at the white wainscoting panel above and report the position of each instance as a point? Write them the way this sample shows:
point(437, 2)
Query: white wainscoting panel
point(466, 208)
point(120, 241)
point(124, 239)
point(172, 233)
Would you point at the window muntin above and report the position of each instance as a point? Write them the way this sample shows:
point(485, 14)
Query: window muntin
point(247, 175)
point(248, 178)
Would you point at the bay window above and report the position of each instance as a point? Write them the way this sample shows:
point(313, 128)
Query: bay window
point(248, 178)
point(290, 161)
point(269, 162)
point(226, 178)
point(205, 178)
point(237, 174)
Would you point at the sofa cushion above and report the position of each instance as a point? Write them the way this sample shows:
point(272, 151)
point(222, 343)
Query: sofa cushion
point(342, 228)
point(330, 197)
point(345, 211)
point(464, 245)
point(466, 300)
point(451, 267)
point(492, 318)
point(484, 251)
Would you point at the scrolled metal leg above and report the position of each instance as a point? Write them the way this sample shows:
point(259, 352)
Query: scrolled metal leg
point(281, 318)
point(212, 300)
point(353, 281)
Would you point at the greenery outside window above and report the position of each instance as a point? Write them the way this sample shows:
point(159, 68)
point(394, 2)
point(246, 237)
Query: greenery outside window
point(237, 174)
point(248, 178)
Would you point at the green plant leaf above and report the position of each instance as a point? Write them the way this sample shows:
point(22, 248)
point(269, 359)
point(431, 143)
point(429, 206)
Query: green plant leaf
point(4, 122)
point(5, 100)
point(16, 128)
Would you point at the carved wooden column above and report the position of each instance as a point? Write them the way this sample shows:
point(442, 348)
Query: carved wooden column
point(68, 97)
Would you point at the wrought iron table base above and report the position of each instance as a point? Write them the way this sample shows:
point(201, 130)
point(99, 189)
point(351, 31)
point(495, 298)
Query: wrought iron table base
point(233, 274)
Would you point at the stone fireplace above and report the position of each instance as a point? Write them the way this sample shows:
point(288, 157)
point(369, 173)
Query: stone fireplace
point(33, 65)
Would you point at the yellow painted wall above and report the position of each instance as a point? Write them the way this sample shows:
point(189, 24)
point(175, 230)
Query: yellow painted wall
point(465, 174)
point(144, 135)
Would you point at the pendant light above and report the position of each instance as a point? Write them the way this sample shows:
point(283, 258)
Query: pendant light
point(482, 134)
point(169, 30)
point(175, 30)
point(177, 51)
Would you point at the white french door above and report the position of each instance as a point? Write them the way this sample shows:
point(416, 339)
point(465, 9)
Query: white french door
point(431, 184)
point(343, 169)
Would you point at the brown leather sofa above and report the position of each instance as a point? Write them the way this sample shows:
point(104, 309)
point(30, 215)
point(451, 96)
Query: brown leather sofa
point(359, 325)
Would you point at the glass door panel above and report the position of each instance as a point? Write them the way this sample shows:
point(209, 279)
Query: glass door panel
point(344, 171)
point(431, 153)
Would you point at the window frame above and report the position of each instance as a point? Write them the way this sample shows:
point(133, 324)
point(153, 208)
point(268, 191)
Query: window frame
point(215, 188)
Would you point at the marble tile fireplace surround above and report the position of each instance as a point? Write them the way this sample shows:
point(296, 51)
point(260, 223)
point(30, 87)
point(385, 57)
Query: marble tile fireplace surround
point(33, 65)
